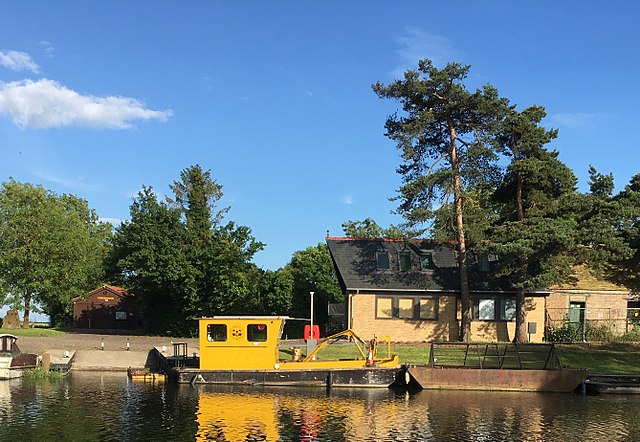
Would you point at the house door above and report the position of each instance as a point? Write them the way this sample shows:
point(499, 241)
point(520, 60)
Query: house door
point(576, 316)
point(576, 312)
point(633, 315)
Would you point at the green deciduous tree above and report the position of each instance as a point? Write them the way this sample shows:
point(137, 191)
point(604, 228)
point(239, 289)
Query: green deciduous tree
point(368, 228)
point(51, 249)
point(441, 136)
point(182, 260)
point(149, 257)
point(276, 291)
point(312, 270)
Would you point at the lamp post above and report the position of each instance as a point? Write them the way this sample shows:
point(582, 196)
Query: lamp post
point(311, 334)
point(311, 343)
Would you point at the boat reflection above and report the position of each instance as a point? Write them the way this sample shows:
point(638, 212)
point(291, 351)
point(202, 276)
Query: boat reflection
point(300, 414)
point(358, 415)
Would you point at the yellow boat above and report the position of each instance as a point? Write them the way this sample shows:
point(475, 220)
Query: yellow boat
point(243, 349)
point(144, 375)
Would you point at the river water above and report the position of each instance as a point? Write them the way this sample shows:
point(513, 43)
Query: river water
point(105, 407)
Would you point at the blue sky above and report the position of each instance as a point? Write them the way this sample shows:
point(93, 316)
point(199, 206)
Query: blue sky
point(274, 97)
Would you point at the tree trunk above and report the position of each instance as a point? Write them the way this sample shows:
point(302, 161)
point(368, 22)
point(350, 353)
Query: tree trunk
point(520, 198)
point(521, 329)
point(27, 310)
point(465, 332)
point(519, 183)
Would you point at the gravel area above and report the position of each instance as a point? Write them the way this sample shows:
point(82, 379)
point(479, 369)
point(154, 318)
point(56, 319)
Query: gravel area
point(93, 341)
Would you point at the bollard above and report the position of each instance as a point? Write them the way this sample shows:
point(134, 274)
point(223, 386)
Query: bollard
point(102, 344)
point(127, 344)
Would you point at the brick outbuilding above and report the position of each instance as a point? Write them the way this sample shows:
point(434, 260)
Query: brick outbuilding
point(107, 307)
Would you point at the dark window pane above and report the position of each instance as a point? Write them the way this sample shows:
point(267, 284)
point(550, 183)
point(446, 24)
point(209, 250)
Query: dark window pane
point(216, 332)
point(405, 261)
point(383, 260)
point(425, 261)
point(484, 262)
point(257, 332)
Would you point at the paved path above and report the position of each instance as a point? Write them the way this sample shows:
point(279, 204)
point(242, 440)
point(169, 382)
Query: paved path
point(87, 341)
point(89, 352)
point(109, 360)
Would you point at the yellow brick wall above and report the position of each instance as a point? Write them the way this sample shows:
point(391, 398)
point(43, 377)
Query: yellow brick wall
point(503, 331)
point(446, 328)
point(365, 324)
point(602, 306)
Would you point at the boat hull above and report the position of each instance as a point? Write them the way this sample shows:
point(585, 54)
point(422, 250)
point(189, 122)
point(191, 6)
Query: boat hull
point(354, 377)
point(563, 380)
point(613, 384)
point(13, 365)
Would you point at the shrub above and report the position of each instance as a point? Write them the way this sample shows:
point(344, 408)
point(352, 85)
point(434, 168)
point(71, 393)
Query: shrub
point(566, 332)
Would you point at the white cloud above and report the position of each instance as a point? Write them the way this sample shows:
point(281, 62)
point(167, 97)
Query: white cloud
point(417, 44)
point(576, 119)
point(45, 103)
point(347, 199)
point(48, 47)
point(115, 222)
point(18, 61)
point(79, 183)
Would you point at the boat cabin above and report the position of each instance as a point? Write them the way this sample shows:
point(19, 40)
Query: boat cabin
point(230, 343)
point(252, 343)
point(8, 344)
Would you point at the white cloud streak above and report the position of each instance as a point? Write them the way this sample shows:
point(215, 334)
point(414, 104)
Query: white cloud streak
point(18, 61)
point(46, 104)
point(417, 44)
point(115, 222)
point(576, 119)
point(48, 47)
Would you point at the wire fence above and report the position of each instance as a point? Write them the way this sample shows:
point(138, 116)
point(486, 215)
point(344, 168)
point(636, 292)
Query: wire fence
point(592, 324)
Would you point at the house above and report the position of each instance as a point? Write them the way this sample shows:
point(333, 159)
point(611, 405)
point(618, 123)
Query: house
point(107, 307)
point(409, 290)
point(596, 309)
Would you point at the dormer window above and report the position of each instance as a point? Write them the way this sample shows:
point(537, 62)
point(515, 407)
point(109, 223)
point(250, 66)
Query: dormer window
point(404, 258)
point(483, 262)
point(426, 261)
point(382, 259)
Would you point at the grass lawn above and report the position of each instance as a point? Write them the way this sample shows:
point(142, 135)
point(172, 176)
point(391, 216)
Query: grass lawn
point(611, 358)
point(38, 332)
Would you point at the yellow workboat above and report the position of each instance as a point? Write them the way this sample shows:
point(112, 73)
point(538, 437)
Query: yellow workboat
point(249, 350)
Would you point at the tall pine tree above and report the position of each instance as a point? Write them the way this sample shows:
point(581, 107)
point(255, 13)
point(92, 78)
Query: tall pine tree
point(441, 136)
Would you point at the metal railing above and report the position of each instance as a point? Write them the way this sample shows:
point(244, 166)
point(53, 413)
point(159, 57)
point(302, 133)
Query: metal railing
point(493, 355)
point(586, 324)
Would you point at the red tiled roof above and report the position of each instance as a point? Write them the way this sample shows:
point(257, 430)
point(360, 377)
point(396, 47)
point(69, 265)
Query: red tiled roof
point(112, 288)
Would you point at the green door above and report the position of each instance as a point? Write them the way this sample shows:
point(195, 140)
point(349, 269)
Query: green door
point(576, 312)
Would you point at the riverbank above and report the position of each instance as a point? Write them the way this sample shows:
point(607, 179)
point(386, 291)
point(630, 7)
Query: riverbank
point(603, 358)
point(71, 341)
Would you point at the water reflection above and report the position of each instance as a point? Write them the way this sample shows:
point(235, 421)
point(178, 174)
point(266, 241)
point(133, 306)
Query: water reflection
point(92, 406)
point(364, 415)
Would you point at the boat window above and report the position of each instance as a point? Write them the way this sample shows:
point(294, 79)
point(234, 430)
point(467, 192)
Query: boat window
point(257, 332)
point(216, 332)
